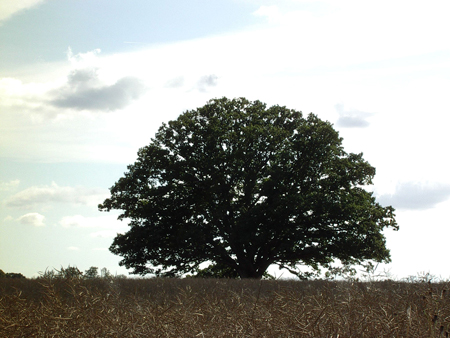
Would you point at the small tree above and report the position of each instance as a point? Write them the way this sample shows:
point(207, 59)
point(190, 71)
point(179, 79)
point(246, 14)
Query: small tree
point(71, 272)
point(105, 273)
point(91, 273)
point(244, 187)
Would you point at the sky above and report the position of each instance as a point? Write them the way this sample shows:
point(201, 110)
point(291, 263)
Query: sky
point(85, 84)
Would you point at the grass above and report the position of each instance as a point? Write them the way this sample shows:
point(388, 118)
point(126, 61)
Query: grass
point(49, 307)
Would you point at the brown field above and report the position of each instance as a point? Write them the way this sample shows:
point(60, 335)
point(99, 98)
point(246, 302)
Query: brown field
point(46, 307)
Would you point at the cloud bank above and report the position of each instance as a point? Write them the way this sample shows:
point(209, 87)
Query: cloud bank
point(85, 91)
point(7, 186)
point(87, 87)
point(41, 195)
point(414, 196)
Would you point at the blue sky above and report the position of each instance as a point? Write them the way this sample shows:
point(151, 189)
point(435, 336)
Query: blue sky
point(44, 32)
point(85, 84)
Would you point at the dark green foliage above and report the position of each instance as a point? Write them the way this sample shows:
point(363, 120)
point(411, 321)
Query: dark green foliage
point(245, 186)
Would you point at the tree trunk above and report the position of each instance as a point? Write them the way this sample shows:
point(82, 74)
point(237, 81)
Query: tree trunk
point(244, 273)
point(250, 271)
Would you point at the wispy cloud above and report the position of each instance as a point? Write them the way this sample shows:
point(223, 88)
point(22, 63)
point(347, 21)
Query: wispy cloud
point(352, 118)
point(7, 186)
point(43, 195)
point(415, 196)
point(33, 218)
point(8, 8)
point(207, 81)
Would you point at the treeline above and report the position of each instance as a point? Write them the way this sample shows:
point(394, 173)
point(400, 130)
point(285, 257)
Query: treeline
point(70, 272)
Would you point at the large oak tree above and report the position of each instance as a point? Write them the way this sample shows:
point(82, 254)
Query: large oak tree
point(245, 186)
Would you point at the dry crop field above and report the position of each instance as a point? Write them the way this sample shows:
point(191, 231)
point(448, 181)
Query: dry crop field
point(48, 307)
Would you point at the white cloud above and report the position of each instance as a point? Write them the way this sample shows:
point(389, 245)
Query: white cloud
point(16, 93)
point(7, 186)
point(43, 195)
point(84, 60)
point(73, 248)
point(350, 31)
point(33, 218)
point(10, 7)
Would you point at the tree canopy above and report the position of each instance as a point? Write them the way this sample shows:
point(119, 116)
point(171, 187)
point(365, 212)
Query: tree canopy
point(245, 186)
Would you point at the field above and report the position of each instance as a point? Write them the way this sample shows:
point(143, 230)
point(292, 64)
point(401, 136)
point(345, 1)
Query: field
point(119, 307)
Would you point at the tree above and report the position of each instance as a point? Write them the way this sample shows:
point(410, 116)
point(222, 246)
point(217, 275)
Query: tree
point(104, 273)
point(245, 186)
point(91, 273)
point(71, 272)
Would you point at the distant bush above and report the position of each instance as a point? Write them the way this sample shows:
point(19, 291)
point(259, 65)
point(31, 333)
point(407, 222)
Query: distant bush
point(11, 275)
